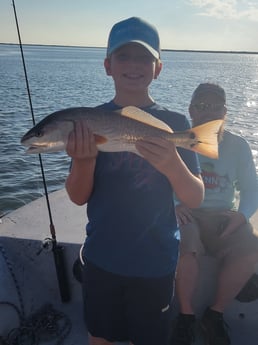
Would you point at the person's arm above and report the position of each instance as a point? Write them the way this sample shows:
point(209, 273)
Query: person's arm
point(163, 155)
point(82, 148)
point(247, 182)
point(247, 186)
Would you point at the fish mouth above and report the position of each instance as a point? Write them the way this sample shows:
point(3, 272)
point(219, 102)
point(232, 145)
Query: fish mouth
point(36, 148)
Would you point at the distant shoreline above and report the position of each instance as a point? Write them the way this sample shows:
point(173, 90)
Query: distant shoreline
point(165, 50)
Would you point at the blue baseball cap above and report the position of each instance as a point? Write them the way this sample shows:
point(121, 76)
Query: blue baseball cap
point(134, 30)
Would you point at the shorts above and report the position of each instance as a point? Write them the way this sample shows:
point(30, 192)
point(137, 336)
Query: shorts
point(119, 308)
point(203, 235)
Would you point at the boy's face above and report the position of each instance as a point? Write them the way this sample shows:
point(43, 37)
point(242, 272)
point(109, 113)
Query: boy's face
point(132, 67)
point(207, 107)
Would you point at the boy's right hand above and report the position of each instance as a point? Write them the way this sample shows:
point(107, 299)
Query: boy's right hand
point(81, 142)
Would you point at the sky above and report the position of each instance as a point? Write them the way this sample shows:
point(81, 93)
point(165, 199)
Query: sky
point(228, 25)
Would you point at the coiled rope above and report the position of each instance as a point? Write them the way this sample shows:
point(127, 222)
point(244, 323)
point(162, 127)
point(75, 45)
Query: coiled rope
point(43, 325)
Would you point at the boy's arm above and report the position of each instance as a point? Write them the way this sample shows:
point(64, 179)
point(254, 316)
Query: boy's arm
point(163, 155)
point(188, 187)
point(82, 148)
point(79, 183)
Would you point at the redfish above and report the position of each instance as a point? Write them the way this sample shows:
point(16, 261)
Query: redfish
point(117, 131)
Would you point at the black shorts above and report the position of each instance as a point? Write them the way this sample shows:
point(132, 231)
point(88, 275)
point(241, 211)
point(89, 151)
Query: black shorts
point(119, 308)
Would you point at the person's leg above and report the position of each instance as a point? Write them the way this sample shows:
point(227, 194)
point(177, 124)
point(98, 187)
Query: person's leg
point(188, 266)
point(239, 255)
point(186, 281)
point(233, 275)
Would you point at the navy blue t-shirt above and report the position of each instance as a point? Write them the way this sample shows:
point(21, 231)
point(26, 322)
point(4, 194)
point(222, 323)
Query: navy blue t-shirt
point(132, 229)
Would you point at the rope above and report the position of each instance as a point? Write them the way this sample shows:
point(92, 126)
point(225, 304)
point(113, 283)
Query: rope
point(21, 311)
point(44, 325)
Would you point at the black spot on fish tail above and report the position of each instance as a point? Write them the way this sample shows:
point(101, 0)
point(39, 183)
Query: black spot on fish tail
point(192, 135)
point(196, 143)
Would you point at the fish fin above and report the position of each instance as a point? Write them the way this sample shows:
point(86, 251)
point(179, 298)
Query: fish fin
point(207, 138)
point(100, 139)
point(142, 116)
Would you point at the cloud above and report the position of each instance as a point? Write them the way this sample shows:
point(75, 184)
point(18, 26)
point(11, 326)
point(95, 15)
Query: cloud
point(227, 9)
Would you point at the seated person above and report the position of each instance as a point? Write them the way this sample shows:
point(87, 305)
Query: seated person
point(219, 227)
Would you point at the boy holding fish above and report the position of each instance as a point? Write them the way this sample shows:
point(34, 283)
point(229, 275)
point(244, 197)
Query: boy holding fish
point(220, 227)
point(131, 249)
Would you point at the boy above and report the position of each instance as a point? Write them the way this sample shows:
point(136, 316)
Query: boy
point(131, 248)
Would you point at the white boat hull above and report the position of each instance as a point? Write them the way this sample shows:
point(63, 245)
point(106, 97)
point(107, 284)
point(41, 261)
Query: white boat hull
point(21, 236)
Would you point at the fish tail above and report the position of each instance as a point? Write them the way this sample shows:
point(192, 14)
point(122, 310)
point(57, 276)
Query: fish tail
point(206, 137)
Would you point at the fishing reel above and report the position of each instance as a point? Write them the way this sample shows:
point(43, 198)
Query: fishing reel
point(47, 245)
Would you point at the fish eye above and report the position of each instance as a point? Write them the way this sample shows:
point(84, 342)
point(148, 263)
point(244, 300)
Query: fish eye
point(39, 134)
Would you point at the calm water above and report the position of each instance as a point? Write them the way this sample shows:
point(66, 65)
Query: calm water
point(62, 77)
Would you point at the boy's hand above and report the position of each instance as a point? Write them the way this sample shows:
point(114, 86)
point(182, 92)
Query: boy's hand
point(81, 142)
point(158, 152)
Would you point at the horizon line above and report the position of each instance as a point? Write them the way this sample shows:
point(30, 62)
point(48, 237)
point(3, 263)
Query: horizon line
point(165, 49)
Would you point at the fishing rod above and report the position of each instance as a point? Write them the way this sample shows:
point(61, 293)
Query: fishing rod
point(58, 250)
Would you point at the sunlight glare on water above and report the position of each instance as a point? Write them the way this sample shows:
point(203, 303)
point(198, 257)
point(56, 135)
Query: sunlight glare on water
point(61, 77)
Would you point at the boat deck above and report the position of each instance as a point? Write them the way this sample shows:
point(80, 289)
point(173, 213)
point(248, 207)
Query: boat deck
point(36, 284)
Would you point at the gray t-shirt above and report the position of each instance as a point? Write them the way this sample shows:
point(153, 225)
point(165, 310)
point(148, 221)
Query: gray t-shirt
point(233, 171)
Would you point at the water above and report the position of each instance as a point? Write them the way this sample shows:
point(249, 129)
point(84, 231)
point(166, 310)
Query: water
point(62, 77)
